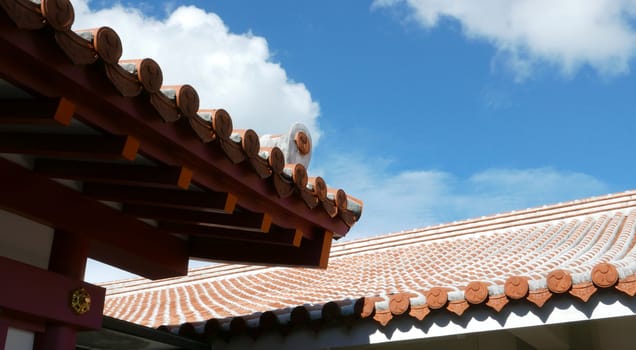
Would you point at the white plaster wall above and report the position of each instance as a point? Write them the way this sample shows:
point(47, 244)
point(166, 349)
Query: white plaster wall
point(18, 339)
point(24, 240)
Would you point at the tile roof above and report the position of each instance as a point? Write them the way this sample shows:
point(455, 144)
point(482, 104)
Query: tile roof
point(570, 248)
point(81, 113)
point(284, 158)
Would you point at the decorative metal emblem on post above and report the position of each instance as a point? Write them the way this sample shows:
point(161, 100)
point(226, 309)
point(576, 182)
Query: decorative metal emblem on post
point(80, 301)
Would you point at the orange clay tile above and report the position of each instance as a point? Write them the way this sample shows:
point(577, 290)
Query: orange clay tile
point(627, 285)
point(516, 287)
point(369, 306)
point(419, 311)
point(583, 291)
point(383, 316)
point(539, 297)
point(457, 307)
point(604, 275)
point(559, 281)
point(436, 298)
point(497, 302)
point(476, 292)
point(399, 303)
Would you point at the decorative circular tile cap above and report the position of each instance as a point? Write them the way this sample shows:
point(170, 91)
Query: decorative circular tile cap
point(516, 287)
point(559, 281)
point(436, 298)
point(604, 275)
point(150, 75)
point(399, 303)
point(59, 14)
point(476, 292)
point(251, 143)
point(188, 100)
point(108, 45)
point(80, 301)
point(302, 142)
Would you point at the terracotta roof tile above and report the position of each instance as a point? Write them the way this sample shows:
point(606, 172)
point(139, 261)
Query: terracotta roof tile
point(573, 248)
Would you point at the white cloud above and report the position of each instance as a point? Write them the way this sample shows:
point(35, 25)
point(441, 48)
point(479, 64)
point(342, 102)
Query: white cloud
point(568, 34)
point(402, 200)
point(232, 71)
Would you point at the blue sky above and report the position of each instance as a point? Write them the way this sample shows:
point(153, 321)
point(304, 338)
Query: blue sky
point(429, 111)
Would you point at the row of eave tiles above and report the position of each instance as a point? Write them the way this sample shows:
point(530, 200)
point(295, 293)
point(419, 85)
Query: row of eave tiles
point(134, 78)
point(576, 256)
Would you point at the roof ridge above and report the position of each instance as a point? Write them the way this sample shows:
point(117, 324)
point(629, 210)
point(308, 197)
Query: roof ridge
point(517, 218)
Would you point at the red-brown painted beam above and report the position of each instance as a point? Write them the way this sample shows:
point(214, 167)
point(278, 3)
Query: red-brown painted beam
point(239, 220)
point(162, 197)
point(141, 248)
point(276, 235)
point(41, 111)
point(46, 295)
point(35, 56)
point(70, 146)
point(126, 174)
point(310, 253)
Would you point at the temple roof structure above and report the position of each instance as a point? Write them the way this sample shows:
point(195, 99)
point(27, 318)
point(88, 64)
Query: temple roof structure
point(524, 258)
point(139, 167)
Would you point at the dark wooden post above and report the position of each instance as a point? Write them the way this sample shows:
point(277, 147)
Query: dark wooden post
point(68, 257)
point(4, 330)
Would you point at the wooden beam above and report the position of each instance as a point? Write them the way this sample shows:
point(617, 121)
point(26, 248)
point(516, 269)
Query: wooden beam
point(276, 235)
point(162, 197)
point(41, 111)
point(125, 174)
point(47, 295)
point(141, 248)
point(246, 221)
point(71, 146)
point(310, 253)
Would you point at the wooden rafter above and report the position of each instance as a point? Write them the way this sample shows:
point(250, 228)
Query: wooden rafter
point(276, 235)
point(163, 197)
point(239, 220)
point(71, 146)
point(125, 174)
point(37, 112)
